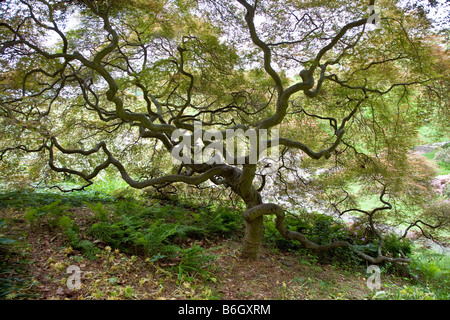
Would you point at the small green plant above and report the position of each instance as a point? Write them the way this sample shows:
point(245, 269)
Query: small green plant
point(127, 208)
point(195, 261)
point(430, 265)
point(128, 292)
point(13, 281)
point(48, 214)
point(4, 240)
point(190, 231)
point(431, 270)
point(71, 231)
point(167, 211)
point(404, 292)
point(395, 246)
point(221, 221)
point(88, 248)
point(119, 235)
point(135, 235)
point(99, 211)
point(274, 238)
point(326, 230)
point(155, 239)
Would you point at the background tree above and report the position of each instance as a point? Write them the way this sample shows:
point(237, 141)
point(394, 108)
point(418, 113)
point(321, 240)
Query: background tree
point(90, 85)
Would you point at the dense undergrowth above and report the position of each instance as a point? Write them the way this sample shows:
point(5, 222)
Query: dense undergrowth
point(171, 235)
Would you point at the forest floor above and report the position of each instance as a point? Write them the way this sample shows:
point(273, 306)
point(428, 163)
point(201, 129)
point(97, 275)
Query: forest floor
point(116, 275)
point(42, 257)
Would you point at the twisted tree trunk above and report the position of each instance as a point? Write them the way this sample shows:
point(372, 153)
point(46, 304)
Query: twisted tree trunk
point(254, 230)
point(241, 181)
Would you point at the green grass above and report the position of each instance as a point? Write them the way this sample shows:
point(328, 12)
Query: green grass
point(430, 155)
point(430, 134)
point(444, 168)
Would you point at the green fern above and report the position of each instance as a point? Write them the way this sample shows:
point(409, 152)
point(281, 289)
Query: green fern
point(195, 261)
point(155, 238)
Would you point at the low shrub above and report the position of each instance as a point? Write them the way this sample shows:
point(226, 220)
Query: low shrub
point(396, 247)
point(317, 227)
